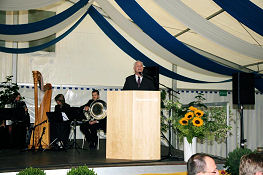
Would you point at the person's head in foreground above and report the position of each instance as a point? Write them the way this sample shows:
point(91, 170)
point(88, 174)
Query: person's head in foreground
point(251, 164)
point(199, 164)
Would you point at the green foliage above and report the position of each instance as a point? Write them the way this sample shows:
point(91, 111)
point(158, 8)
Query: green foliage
point(217, 123)
point(81, 170)
point(198, 120)
point(233, 160)
point(164, 119)
point(31, 171)
point(7, 91)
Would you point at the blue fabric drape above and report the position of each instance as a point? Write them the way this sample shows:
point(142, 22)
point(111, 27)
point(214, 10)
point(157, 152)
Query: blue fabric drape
point(165, 39)
point(245, 12)
point(45, 45)
point(129, 49)
point(43, 24)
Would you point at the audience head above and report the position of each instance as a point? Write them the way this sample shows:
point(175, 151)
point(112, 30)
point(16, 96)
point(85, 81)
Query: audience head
point(251, 164)
point(200, 164)
point(95, 95)
point(60, 99)
point(138, 67)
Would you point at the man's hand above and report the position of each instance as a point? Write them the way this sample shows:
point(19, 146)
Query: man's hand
point(86, 108)
point(93, 122)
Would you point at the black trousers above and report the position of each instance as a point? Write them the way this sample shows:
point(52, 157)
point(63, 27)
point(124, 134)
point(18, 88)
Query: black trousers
point(4, 137)
point(90, 131)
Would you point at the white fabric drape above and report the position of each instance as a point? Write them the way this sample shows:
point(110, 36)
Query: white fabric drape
point(132, 30)
point(14, 5)
point(253, 121)
point(49, 31)
point(209, 30)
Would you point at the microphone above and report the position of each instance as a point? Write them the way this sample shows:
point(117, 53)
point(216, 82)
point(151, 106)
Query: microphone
point(141, 73)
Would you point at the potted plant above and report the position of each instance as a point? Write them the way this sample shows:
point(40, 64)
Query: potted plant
point(81, 170)
point(31, 171)
point(196, 120)
point(7, 91)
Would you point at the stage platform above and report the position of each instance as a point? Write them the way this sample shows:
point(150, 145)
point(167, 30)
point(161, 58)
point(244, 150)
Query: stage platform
point(13, 160)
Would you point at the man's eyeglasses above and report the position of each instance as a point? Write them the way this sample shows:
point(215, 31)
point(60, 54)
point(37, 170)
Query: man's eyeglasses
point(213, 172)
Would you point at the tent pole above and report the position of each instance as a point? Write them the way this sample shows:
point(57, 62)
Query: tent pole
point(209, 17)
point(15, 45)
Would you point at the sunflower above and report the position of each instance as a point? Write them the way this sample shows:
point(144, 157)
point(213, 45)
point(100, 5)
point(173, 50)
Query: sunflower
point(189, 115)
point(192, 108)
point(183, 121)
point(197, 122)
point(199, 113)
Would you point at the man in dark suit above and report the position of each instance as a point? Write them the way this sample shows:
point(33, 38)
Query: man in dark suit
point(90, 127)
point(20, 125)
point(138, 81)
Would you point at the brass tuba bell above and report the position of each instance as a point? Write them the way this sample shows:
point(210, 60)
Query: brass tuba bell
point(97, 110)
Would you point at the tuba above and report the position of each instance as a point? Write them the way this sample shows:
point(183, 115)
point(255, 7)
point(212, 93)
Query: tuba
point(97, 110)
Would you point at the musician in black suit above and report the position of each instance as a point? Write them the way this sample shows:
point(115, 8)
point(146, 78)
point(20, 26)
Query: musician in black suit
point(60, 129)
point(91, 126)
point(138, 81)
point(20, 123)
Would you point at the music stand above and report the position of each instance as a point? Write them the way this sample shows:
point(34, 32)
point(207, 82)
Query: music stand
point(75, 114)
point(54, 117)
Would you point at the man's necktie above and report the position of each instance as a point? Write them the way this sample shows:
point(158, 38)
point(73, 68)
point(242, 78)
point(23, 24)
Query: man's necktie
point(139, 81)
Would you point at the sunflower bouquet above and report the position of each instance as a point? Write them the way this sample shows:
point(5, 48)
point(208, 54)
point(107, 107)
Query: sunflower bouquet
point(197, 120)
point(191, 124)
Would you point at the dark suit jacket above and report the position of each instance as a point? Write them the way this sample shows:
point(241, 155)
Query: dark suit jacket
point(131, 84)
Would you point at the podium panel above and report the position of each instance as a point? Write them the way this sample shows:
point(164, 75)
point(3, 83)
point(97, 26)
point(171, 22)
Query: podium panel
point(133, 125)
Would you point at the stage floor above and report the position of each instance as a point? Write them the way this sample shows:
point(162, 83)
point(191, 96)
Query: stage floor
point(15, 160)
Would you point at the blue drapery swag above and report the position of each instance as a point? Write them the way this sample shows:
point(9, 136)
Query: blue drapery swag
point(118, 40)
point(43, 24)
point(122, 43)
point(245, 12)
point(45, 45)
point(165, 39)
point(129, 49)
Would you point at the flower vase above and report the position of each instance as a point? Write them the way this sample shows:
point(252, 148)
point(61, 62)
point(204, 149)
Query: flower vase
point(189, 148)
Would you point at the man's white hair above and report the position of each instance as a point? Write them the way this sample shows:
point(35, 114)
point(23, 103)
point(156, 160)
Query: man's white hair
point(138, 61)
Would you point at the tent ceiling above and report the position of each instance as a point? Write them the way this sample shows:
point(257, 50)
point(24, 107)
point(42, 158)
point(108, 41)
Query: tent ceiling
point(223, 20)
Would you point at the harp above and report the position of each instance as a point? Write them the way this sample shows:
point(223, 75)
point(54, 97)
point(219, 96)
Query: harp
point(40, 138)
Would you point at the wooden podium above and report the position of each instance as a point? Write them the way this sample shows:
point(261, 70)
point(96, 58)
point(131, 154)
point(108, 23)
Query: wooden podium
point(133, 125)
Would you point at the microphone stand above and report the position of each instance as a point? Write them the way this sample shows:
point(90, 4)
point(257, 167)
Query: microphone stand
point(242, 139)
point(40, 139)
point(34, 127)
